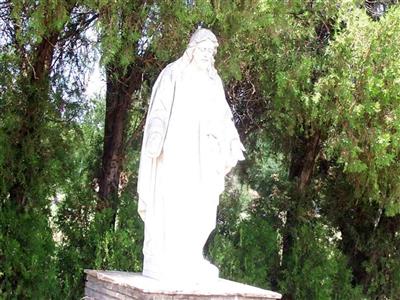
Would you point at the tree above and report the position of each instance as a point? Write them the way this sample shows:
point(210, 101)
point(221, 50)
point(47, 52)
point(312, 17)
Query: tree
point(33, 144)
point(317, 89)
point(312, 66)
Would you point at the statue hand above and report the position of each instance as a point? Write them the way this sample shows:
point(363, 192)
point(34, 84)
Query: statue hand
point(237, 150)
point(154, 144)
point(236, 153)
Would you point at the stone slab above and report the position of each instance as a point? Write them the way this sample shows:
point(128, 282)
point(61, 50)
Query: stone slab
point(104, 285)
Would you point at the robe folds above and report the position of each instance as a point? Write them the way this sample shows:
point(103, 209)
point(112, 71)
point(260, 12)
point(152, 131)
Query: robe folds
point(179, 186)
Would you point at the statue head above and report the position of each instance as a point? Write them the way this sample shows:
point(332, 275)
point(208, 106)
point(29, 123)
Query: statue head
point(202, 35)
point(202, 49)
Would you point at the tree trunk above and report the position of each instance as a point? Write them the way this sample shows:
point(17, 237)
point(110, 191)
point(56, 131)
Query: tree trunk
point(303, 157)
point(35, 88)
point(120, 88)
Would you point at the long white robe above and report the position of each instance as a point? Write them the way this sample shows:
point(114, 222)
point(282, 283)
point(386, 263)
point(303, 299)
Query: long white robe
point(180, 187)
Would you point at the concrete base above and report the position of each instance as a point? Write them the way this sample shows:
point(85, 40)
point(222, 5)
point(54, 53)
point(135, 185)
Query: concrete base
point(102, 285)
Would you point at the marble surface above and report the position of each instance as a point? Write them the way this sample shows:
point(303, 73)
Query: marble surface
point(126, 285)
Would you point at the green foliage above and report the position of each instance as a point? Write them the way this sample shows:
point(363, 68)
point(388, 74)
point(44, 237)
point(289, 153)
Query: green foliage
point(171, 29)
point(314, 68)
point(317, 269)
point(363, 63)
point(37, 20)
point(27, 251)
point(76, 245)
point(75, 213)
point(121, 249)
point(86, 240)
point(245, 245)
point(120, 28)
point(331, 76)
point(90, 244)
point(248, 255)
point(385, 276)
point(34, 149)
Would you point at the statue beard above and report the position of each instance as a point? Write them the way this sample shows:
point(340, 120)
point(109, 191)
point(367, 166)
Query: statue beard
point(188, 59)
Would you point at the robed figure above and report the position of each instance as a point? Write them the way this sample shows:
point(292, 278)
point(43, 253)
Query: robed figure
point(190, 143)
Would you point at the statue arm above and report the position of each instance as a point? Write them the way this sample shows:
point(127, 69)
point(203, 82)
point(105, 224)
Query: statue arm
point(234, 146)
point(158, 116)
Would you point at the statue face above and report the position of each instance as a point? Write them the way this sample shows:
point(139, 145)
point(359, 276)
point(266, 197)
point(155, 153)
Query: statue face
point(203, 54)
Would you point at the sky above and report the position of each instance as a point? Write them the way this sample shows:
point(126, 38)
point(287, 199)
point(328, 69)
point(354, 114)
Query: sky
point(96, 84)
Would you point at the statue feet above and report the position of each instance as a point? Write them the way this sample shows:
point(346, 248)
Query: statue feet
point(196, 271)
point(207, 271)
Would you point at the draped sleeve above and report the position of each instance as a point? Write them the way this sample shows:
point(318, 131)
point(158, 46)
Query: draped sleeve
point(156, 123)
point(232, 146)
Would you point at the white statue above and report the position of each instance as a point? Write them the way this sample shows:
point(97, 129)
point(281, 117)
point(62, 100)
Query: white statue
point(190, 143)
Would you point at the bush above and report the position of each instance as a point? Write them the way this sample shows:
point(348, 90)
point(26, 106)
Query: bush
point(88, 242)
point(317, 269)
point(27, 264)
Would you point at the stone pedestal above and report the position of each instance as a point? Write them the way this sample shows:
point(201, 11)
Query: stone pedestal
point(101, 285)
